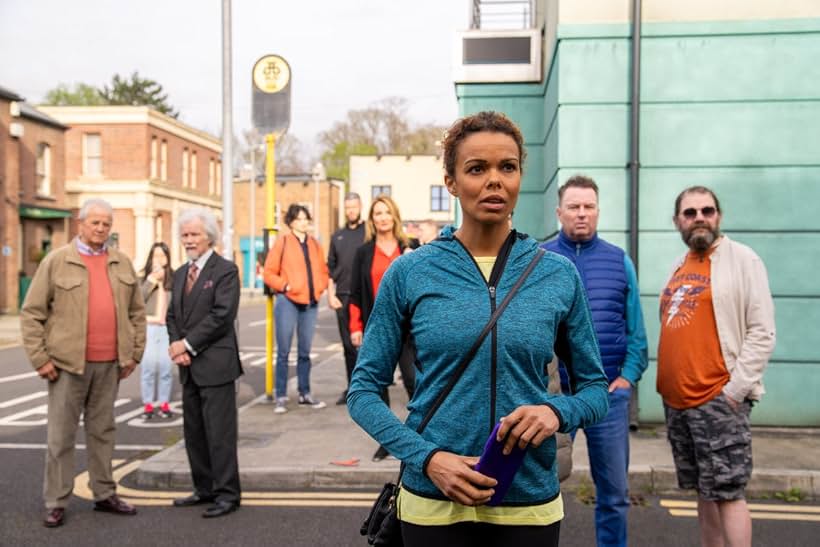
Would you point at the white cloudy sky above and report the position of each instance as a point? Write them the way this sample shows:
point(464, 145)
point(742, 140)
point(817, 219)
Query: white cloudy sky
point(344, 54)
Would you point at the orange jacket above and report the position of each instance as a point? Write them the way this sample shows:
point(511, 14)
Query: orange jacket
point(285, 265)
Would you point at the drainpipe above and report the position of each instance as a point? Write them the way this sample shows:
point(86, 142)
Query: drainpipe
point(634, 130)
point(634, 171)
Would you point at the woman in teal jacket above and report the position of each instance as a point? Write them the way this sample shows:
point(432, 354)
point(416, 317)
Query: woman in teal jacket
point(444, 293)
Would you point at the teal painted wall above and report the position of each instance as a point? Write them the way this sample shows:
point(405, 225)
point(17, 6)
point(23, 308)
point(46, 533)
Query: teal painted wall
point(731, 105)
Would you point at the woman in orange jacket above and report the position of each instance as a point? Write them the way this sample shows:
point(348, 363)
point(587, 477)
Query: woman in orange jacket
point(296, 269)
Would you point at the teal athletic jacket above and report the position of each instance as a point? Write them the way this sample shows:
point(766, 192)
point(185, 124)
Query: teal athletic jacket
point(440, 296)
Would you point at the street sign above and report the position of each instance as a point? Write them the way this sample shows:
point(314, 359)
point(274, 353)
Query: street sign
point(271, 77)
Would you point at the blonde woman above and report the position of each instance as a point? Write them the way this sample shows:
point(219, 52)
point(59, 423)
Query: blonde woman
point(385, 241)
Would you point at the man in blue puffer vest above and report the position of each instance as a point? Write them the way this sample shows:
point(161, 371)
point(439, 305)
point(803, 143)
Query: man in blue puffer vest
point(612, 289)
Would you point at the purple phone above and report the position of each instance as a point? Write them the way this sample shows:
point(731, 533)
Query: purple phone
point(495, 464)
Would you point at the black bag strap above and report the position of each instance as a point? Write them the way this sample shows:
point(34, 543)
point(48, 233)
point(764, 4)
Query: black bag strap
point(468, 357)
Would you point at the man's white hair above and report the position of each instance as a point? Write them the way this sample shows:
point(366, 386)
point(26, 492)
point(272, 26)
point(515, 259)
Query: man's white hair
point(207, 218)
point(95, 203)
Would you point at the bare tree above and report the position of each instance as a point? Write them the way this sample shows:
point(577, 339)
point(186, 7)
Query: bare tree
point(291, 157)
point(381, 128)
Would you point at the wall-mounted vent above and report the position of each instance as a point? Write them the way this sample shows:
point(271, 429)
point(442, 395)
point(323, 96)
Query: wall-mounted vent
point(496, 56)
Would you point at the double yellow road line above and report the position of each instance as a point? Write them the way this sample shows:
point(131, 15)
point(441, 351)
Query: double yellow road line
point(269, 499)
point(760, 511)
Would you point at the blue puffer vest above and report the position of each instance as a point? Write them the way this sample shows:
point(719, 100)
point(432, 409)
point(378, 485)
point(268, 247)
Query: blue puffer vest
point(601, 266)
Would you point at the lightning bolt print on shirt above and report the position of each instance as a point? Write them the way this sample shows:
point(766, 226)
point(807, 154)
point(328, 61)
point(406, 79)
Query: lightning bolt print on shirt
point(691, 370)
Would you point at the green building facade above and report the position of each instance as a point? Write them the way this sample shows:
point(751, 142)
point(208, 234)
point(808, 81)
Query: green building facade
point(730, 99)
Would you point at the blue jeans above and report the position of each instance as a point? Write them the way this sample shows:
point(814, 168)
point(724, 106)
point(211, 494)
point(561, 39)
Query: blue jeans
point(155, 362)
point(290, 316)
point(608, 448)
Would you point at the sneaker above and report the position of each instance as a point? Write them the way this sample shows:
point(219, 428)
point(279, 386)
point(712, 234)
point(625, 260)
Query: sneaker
point(343, 399)
point(165, 411)
point(148, 412)
point(280, 407)
point(308, 400)
point(380, 454)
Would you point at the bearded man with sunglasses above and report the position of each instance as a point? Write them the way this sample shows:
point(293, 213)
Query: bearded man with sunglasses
point(717, 334)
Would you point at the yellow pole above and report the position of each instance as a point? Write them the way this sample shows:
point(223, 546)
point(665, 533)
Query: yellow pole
point(270, 204)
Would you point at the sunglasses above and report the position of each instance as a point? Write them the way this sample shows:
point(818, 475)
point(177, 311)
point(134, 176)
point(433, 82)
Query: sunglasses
point(691, 212)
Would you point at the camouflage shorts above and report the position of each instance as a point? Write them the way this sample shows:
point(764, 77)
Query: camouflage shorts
point(712, 447)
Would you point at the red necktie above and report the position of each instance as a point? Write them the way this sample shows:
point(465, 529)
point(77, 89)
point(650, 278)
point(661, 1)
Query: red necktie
point(192, 275)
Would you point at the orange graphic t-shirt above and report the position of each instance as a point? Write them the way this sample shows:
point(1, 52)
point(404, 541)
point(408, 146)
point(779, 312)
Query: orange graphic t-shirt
point(691, 370)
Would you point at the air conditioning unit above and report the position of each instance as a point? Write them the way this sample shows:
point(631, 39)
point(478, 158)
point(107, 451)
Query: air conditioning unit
point(16, 129)
point(14, 109)
point(498, 56)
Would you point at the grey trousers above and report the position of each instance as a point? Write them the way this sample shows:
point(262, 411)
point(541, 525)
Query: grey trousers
point(92, 395)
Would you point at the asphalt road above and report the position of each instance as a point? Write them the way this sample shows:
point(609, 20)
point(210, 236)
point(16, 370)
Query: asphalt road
point(325, 519)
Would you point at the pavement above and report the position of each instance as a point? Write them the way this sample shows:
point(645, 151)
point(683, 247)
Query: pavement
point(323, 449)
point(9, 330)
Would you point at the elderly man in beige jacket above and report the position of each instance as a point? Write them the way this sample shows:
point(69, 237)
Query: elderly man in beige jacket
point(83, 326)
point(717, 334)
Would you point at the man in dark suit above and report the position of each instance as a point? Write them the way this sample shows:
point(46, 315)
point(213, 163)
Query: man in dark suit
point(200, 320)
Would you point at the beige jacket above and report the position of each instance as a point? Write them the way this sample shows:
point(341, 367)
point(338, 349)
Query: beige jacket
point(744, 314)
point(54, 317)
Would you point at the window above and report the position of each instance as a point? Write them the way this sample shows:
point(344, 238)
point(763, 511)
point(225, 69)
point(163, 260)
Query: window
point(193, 170)
point(184, 167)
point(92, 154)
point(163, 161)
point(153, 157)
point(439, 198)
point(211, 175)
point(43, 169)
point(219, 178)
point(376, 191)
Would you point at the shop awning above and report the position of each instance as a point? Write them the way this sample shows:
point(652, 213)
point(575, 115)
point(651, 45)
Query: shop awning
point(43, 213)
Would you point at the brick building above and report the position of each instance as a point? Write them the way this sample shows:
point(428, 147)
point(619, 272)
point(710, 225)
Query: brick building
point(290, 189)
point(149, 166)
point(33, 213)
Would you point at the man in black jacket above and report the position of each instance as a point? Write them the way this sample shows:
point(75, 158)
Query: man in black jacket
point(200, 321)
point(343, 245)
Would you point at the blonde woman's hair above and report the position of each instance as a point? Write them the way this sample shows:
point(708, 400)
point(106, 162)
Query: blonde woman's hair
point(398, 230)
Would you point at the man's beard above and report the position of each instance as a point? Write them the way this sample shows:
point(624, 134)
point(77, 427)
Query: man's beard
point(700, 240)
point(193, 255)
point(355, 222)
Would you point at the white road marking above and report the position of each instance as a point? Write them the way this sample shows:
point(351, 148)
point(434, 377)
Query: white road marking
point(18, 377)
point(257, 323)
point(23, 399)
point(18, 421)
point(291, 360)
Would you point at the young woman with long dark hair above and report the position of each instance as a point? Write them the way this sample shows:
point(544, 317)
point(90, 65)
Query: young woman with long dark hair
point(156, 366)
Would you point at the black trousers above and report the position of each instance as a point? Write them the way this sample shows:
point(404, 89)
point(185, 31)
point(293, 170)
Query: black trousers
point(472, 534)
point(407, 366)
point(210, 427)
point(343, 319)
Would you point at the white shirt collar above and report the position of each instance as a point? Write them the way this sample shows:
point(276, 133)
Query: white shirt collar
point(200, 262)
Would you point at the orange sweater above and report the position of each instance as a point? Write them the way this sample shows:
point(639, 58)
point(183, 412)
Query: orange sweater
point(285, 265)
point(101, 337)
